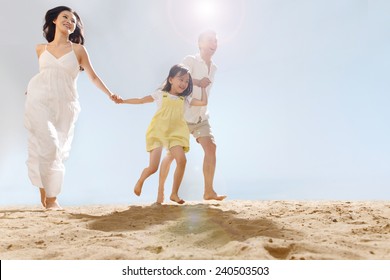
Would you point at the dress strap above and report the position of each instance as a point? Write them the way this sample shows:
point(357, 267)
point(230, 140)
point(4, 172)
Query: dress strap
point(165, 94)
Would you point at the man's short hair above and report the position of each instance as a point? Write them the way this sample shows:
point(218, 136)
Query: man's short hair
point(206, 33)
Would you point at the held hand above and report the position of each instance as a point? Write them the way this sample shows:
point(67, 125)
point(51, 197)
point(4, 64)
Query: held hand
point(116, 98)
point(119, 100)
point(204, 82)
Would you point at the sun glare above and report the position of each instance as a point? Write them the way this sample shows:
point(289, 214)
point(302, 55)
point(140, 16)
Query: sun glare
point(223, 16)
point(205, 9)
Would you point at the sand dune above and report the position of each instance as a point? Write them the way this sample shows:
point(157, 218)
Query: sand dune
point(200, 230)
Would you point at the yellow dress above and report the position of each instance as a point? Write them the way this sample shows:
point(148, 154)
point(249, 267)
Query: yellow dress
point(168, 127)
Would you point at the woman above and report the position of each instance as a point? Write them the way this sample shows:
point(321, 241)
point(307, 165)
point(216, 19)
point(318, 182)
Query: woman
point(52, 106)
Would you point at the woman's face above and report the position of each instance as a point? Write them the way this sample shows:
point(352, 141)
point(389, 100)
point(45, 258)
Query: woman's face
point(179, 83)
point(66, 22)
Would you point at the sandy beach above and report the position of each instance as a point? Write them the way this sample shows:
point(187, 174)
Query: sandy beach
point(245, 230)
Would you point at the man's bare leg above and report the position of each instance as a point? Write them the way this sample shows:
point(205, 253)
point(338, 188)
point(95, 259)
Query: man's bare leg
point(209, 164)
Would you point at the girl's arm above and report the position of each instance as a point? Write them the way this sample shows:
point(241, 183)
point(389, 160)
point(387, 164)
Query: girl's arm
point(85, 63)
point(201, 102)
point(143, 100)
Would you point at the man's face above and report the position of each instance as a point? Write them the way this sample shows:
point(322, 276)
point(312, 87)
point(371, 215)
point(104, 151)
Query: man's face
point(208, 43)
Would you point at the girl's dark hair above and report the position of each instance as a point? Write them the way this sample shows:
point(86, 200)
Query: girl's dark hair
point(180, 70)
point(49, 27)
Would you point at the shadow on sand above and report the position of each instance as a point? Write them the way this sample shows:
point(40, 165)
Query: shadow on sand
point(217, 225)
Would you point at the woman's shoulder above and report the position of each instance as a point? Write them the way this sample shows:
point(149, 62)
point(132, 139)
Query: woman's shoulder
point(78, 47)
point(80, 51)
point(40, 48)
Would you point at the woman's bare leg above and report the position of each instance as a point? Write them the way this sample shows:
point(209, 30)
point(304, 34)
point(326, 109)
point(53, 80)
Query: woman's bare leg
point(43, 196)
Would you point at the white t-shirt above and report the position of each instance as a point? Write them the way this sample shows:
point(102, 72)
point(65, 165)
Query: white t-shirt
point(158, 97)
point(199, 70)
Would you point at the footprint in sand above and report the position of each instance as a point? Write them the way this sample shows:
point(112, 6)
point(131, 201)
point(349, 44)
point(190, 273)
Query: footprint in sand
point(279, 252)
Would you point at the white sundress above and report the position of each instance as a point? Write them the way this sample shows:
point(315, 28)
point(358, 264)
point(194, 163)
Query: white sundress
point(51, 110)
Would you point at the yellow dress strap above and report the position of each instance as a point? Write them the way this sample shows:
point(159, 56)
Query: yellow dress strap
point(165, 94)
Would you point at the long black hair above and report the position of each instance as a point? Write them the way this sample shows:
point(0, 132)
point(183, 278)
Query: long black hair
point(178, 69)
point(49, 27)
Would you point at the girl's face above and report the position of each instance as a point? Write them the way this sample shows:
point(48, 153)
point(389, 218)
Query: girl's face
point(179, 83)
point(66, 22)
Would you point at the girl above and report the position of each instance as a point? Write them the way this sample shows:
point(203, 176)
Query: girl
point(52, 105)
point(168, 128)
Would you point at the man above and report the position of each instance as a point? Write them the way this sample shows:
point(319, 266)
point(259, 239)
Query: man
point(202, 71)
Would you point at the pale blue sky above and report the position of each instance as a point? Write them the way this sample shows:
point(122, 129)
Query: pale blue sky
point(299, 107)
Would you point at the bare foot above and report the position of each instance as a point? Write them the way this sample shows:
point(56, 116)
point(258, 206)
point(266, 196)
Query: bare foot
point(176, 199)
point(43, 196)
point(213, 196)
point(52, 204)
point(138, 188)
point(156, 204)
point(54, 207)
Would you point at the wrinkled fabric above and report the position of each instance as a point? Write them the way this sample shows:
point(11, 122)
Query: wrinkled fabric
point(51, 110)
point(168, 127)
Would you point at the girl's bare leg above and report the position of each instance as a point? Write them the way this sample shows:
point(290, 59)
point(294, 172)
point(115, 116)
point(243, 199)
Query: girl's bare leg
point(154, 161)
point(164, 170)
point(43, 196)
point(178, 154)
